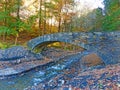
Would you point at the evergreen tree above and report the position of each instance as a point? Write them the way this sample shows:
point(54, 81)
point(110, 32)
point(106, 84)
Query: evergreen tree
point(112, 15)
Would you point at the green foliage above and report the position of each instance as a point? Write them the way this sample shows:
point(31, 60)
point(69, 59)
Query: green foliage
point(19, 25)
point(13, 27)
point(10, 24)
point(7, 30)
point(4, 45)
point(32, 19)
point(3, 15)
point(111, 20)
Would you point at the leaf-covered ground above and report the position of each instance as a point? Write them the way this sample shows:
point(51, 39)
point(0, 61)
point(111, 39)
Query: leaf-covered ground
point(97, 78)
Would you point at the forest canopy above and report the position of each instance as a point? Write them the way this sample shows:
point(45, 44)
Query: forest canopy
point(21, 20)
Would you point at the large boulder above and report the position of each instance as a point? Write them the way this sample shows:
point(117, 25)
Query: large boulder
point(91, 60)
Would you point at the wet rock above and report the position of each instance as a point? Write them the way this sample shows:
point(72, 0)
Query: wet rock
point(18, 53)
point(12, 53)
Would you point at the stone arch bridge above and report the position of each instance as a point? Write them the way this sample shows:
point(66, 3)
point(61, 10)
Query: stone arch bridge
point(105, 44)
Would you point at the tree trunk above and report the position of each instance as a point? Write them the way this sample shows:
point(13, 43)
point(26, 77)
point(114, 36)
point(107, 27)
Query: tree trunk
point(16, 39)
point(59, 25)
point(5, 20)
point(44, 18)
point(59, 15)
point(39, 16)
point(18, 19)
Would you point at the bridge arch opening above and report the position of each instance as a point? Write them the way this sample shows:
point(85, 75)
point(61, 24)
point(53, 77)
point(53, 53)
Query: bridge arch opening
point(58, 45)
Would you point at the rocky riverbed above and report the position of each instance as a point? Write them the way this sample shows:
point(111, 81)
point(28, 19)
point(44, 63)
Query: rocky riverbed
point(59, 70)
point(93, 78)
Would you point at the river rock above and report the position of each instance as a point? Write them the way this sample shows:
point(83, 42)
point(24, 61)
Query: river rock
point(91, 60)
